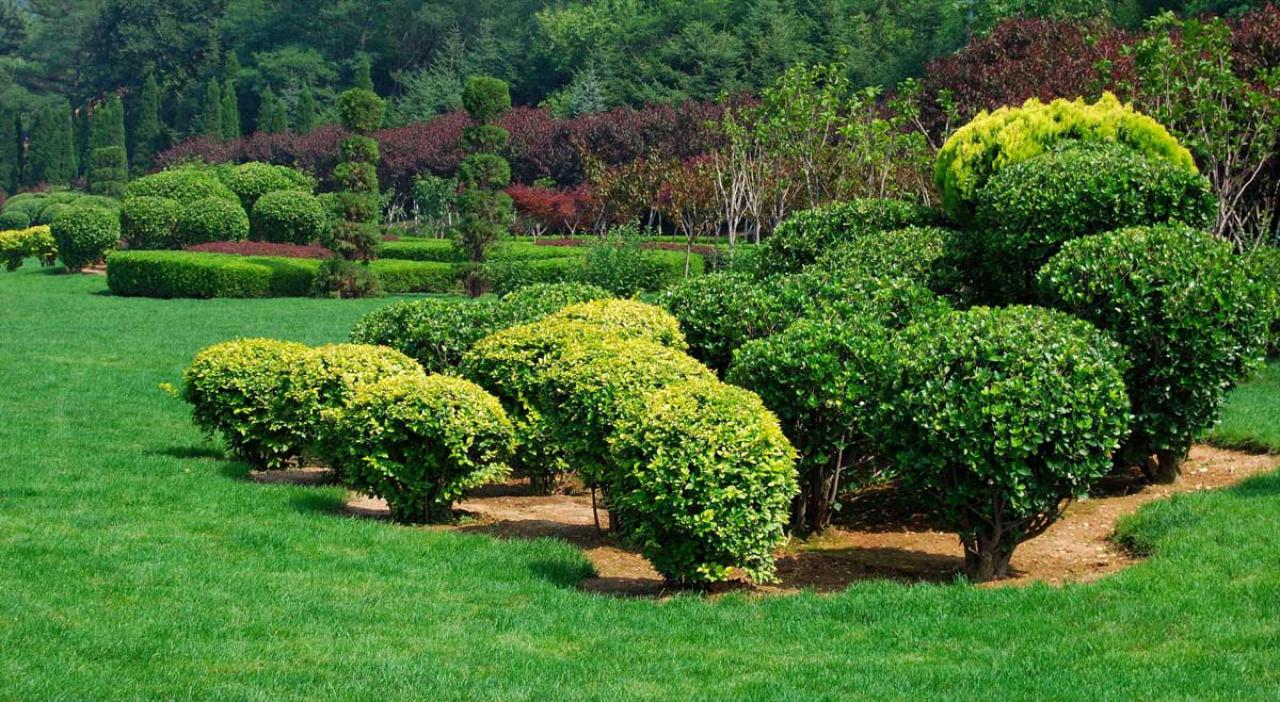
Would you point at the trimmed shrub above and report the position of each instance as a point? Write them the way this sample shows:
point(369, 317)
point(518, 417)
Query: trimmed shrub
point(704, 476)
point(1265, 264)
point(250, 181)
point(212, 219)
point(627, 319)
point(485, 170)
point(234, 389)
point(506, 275)
point(536, 302)
point(186, 185)
point(994, 141)
point(85, 236)
point(485, 98)
point(18, 245)
point(399, 277)
point(150, 222)
point(261, 248)
point(358, 149)
point(915, 254)
point(361, 110)
point(108, 171)
point(997, 417)
point(356, 176)
point(439, 250)
point(805, 235)
point(14, 219)
point(347, 280)
point(820, 294)
point(420, 442)
point(720, 312)
point(183, 274)
point(1184, 307)
point(823, 379)
point(289, 217)
point(435, 333)
point(1027, 211)
point(50, 212)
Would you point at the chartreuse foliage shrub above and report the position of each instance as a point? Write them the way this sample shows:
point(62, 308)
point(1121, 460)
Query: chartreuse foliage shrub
point(289, 217)
point(1026, 212)
point(186, 185)
point(34, 242)
point(436, 333)
point(627, 319)
point(720, 312)
point(84, 236)
point(994, 141)
point(805, 235)
point(250, 181)
point(823, 378)
point(420, 442)
point(148, 222)
point(1193, 323)
point(212, 219)
point(535, 302)
point(704, 476)
point(997, 417)
point(235, 389)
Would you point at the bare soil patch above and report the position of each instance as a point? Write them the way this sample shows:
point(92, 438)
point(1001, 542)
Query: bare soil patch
point(1076, 549)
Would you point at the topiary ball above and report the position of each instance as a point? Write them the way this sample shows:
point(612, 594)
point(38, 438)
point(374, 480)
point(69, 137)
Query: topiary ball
point(212, 219)
point(289, 217)
point(151, 222)
point(84, 236)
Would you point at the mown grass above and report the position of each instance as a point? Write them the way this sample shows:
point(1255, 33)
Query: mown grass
point(136, 564)
point(1251, 420)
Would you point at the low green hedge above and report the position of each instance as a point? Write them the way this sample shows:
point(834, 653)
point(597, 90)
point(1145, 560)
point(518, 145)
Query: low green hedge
point(187, 274)
point(437, 250)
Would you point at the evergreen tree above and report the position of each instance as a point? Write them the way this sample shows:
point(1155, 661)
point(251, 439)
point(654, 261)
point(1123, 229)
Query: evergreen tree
point(272, 117)
point(108, 124)
point(362, 73)
point(231, 68)
point(10, 150)
point(586, 94)
point(108, 168)
point(230, 110)
point(147, 127)
point(51, 149)
point(306, 117)
point(83, 133)
point(13, 28)
point(211, 111)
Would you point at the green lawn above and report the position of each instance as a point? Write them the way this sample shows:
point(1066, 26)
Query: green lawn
point(135, 564)
point(1251, 421)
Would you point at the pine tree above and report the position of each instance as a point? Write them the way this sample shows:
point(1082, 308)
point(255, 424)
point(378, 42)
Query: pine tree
point(211, 110)
point(10, 151)
point(108, 124)
point(51, 149)
point(306, 117)
point(147, 127)
point(231, 68)
point(230, 110)
point(272, 117)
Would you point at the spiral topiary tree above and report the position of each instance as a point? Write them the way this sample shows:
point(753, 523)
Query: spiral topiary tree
point(355, 237)
point(486, 212)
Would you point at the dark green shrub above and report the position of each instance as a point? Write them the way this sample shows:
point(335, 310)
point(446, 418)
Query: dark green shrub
point(357, 176)
point(486, 99)
point(85, 236)
point(183, 274)
point(186, 185)
point(50, 212)
point(627, 319)
point(485, 170)
point(359, 207)
point(361, 110)
point(485, 137)
point(1026, 212)
point(354, 241)
point(915, 254)
point(14, 219)
point(720, 312)
point(399, 277)
point(1265, 264)
point(419, 443)
point(440, 250)
point(212, 219)
point(821, 294)
point(359, 149)
point(617, 263)
point(704, 476)
point(1184, 307)
point(29, 204)
point(108, 171)
point(997, 417)
point(150, 222)
point(234, 389)
point(804, 236)
point(823, 379)
point(340, 278)
point(536, 302)
point(250, 181)
point(436, 333)
point(506, 275)
point(289, 217)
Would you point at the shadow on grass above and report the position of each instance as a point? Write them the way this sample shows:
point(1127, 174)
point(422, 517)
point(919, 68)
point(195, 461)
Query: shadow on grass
point(318, 503)
point(1260, 486)
point(204, 452)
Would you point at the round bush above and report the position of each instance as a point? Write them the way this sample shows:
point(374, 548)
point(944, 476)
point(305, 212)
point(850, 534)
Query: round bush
point(17, 245)
point(822, 294)
point(485, 138)
point(997, 416)
point(485, 171)
point(29, 204)
point(85, 236)
point(805, 235)
point(436, 333)
point(1010, 135)
point(186, 185)
point(359, 207)
point(720, 312)
point(913, 253)
point(1183, 305)
point(361, 110)
point(486, 98)
point(823, 379)
point(234, 389)
point(704, 477)
point(212, 219)
point(357, 177)
point(1027, 211)
point(420, 442)
point(359, 149)
point(151, 222)
point(250, 181)
point(50, 212)
point(289, 217)
point(535, 302)
point(627, 319)
point(14, 219)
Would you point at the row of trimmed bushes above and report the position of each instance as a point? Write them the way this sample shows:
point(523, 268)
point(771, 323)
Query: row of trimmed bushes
point(186, 274)
point(27, 210)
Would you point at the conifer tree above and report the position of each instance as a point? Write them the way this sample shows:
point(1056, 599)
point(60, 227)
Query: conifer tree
point(211, 111)
point(147, 127)
point(272, 117)
point(51, 146)
point(306, 117)
point(230, 110)
point(10, 151)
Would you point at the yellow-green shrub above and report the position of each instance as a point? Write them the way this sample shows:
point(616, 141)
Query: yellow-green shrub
point(629, 319)
point(33, 242)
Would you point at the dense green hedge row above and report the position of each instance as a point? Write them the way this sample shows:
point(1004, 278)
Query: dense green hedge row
point(185, 274)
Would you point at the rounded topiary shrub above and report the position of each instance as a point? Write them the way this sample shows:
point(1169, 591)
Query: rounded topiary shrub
point(997, 417)
point(250, 181)
point(823, 379)
point(85, 236)
point(628, 319)
point(358, 149)
point(212, 219)
point(357, 176)
point(486, 98)
point(436, 333)
point(535, 302)
point(1183, 305)
point(720, 312)
point(420, 442)
point(805, 235)
point(289, 217)
point(361, 110)
point(1026, 212)
point(14, 219)
point(151, 222)
point(705, 478)
point(825, 294)
point(994, 141)
point(235, 388)
point(186, 185)
point(913, 253)
point(51, 212)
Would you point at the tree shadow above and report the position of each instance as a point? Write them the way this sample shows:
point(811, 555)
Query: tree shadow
point(202, 452)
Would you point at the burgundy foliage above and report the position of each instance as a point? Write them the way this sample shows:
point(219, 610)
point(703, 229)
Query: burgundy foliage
point(549, 209)
point(262, 248)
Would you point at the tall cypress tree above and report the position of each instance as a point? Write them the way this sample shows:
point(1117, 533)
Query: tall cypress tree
point(272, 117)
point(147, 127)
point(83, 133)
point(108, 124)
point(211, 110)
point(362, 73)
point(51, 150)
point(306, 118)
point(230, 110)
point(10, 151)
point(109, 161)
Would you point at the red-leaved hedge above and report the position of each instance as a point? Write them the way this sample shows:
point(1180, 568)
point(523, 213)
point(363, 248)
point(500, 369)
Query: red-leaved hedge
point(262, 248)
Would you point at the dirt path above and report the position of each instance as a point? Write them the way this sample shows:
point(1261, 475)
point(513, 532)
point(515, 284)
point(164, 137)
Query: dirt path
point(1076, 549)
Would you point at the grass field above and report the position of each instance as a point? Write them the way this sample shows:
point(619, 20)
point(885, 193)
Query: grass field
point(135, 564)
point(1251, 421)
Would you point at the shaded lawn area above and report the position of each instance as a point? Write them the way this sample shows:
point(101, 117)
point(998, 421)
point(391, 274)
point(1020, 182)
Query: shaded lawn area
point(1251, 420)
point(134, 564)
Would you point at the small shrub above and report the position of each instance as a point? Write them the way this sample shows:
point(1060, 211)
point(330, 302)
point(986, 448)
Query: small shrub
point(85, 236)
point(186, 185)
point(151, 222)
point(506, 275)
point(705, 478)
point(400, 277)
point(184, 274)
point(340, 278)
point(485, 171)
point(51, 212)
point(536, 302)
point(821, 294)
point(1265, 263)
point(234, 389)
point(720, 312)
point(250, 181)
point(997, 417)
point(212, 219)
point(14, 219)
point(485, 98)
point(358, 149)
point(35, 242)
point(1184, 307)
point(439, 250)
point(361, 110)
point(356, 176)
point(805, 235)
point(420, 442)
point(627, 319)
point(435, 333)
point(618, 264)
point(289, 217)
